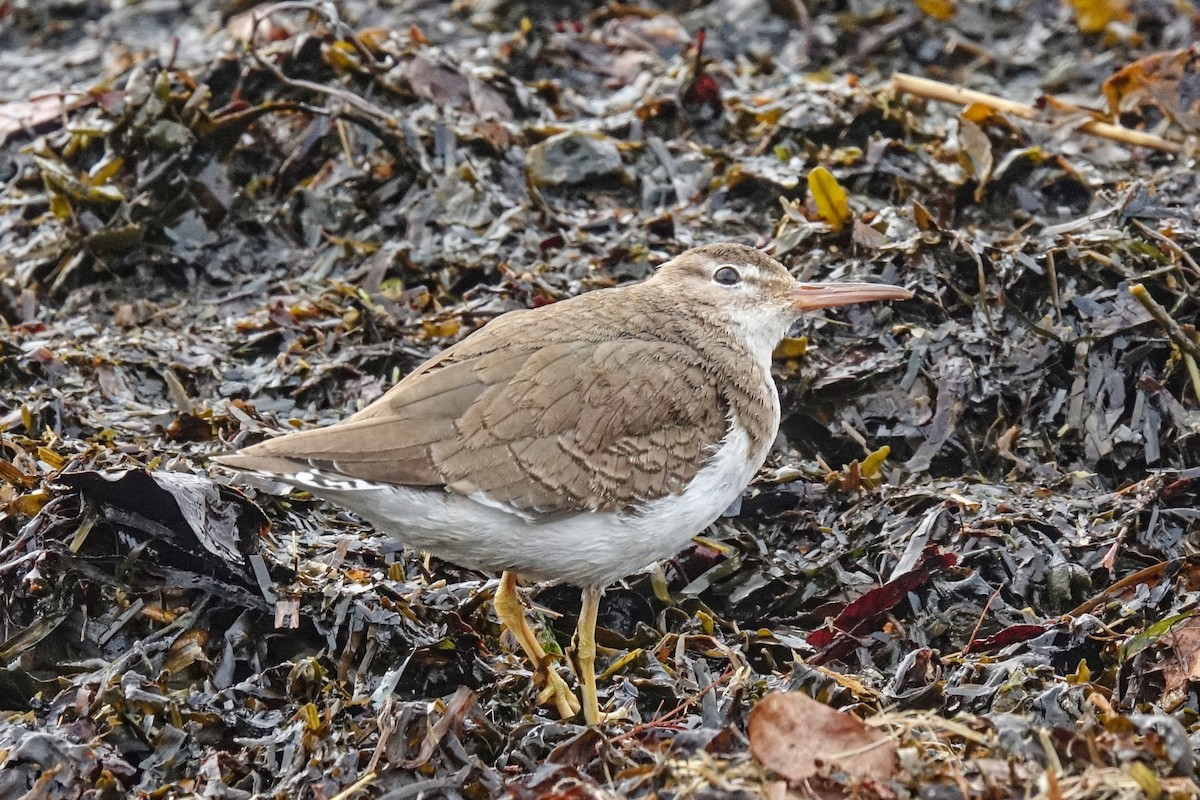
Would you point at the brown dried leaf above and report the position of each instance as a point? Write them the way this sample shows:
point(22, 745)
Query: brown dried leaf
point(446, 86)
point(977, 152)
point(1182, 665)
point(923, 218)
point(866, 236)
point(39, 110)
point(1164, 80)
point(799, 737)
point(186, 650)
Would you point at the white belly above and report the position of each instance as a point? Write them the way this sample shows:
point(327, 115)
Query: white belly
point(582, 549)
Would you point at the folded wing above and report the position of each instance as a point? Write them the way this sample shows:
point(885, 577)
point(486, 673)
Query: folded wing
point(536, 427)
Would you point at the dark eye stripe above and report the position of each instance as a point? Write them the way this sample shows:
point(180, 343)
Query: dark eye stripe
point(727, 276)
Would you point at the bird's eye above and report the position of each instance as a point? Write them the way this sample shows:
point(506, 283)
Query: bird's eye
point(727, 276)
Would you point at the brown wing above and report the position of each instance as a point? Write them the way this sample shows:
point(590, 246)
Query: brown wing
point(549, 428)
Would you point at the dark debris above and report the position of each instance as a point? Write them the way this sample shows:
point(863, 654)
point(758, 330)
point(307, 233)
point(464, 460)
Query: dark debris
point(977, 532)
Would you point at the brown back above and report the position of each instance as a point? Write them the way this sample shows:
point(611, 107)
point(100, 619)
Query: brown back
point(591, 404)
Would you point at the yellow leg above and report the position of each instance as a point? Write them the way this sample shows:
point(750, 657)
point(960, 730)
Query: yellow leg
point(585, 660)
point(512, 615)
point(585, 654)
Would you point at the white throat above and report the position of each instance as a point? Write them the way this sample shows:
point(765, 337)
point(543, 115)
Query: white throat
point(761, 331)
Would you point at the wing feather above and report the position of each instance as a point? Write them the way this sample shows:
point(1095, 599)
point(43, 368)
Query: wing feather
point(560, 426)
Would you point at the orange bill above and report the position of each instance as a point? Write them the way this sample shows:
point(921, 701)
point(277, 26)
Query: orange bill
point(811, 296)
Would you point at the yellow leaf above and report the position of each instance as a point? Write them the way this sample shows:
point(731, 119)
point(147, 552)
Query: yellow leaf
point(791, 348)
point(440, 327)
point(105, 170)
point(391, 288)
point(1082, 674)
point(1146, 779)
point(1093, 16)
point(872, 463)
point(941, 10)
point(829, 197)
point(10, 473)
point(311, 717)
point(374, 38)
point(979, 113)
point(81, 533)
point(29, 503)
point(53, 459)
point(342, 55)
point(60, 206)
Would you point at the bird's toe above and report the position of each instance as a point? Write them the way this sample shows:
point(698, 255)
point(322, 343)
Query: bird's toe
point(557, 693)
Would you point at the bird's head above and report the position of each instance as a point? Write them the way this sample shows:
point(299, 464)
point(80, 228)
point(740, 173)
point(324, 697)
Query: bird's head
point(755, 292)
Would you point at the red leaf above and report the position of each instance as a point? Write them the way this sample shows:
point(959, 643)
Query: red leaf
point(701, 97)
point(861, 614)
point(1011, 635)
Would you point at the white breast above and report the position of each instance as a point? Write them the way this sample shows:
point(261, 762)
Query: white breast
point(592, 549)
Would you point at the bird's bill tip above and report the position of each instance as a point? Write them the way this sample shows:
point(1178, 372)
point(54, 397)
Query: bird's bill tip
point(811, 296)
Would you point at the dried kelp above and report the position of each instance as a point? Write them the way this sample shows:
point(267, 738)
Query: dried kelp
point(976, 533)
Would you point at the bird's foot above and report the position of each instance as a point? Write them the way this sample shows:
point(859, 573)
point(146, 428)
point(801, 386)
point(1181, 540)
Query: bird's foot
point(556, 692)
point(606, 717)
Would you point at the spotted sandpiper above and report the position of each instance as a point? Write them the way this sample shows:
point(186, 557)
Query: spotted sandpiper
point(580, 441)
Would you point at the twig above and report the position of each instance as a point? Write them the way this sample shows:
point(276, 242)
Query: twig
point(1110, 556)
point(354, 101)
point(357, 786)
point(877, 38)
point(687, 703)
point(936, 90)
point(982, 616)
point(1193, 372)
point(664, 157)
point(1169, 243)
point(1052, 274)
point(981, 277)
point(1153, 574)
point(456, 709)
point(430, 786)
point(387, 726)
point(356, 109)
point(1082, 222)
point(1177, 335)
point(804, 21)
